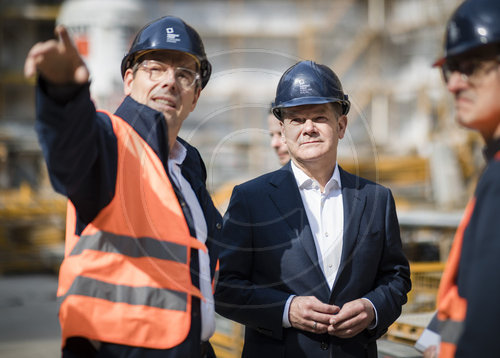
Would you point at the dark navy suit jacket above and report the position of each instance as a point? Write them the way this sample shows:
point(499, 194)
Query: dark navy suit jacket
point(268, 253)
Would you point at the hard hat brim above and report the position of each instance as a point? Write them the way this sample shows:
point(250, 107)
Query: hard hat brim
point(304, 101)
point(301, 101)
point(133, 57)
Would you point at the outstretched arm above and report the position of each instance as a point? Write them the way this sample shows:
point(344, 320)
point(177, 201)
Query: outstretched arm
point(78, 144)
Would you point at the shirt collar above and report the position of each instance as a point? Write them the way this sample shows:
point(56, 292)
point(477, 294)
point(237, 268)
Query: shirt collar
point(305, 182)
point(177, 154)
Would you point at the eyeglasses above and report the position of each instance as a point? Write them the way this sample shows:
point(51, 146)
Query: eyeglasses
point(468, 69)
point(184, 77)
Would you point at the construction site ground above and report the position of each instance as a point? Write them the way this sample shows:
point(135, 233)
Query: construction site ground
point(28, 317)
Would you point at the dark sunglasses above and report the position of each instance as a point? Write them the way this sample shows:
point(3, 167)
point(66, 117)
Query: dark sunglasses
point(468, 69)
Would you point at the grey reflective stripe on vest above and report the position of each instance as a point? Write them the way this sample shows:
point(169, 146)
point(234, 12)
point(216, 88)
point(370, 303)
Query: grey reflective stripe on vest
point(146, 296)
point(130, 246)
point(450, 331)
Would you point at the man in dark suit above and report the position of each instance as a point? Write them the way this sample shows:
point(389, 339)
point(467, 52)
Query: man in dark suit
point(311, 260)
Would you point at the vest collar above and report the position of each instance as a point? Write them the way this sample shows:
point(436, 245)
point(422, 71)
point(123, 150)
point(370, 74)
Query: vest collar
point(148, 123)
point(491, 149)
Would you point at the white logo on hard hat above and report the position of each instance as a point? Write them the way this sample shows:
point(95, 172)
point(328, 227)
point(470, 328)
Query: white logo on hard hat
point(172, 37)
point(304, 88)
point(454, 30)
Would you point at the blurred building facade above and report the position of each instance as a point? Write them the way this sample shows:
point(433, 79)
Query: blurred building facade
point(381, 49)
point(401, 130)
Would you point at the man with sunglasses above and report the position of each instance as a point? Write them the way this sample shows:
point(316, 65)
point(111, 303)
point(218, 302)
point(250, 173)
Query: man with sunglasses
point(136, 278)
point(468, 309)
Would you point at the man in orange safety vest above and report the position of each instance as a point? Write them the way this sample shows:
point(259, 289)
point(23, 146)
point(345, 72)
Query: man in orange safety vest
point(468, 309)
point(136, 280)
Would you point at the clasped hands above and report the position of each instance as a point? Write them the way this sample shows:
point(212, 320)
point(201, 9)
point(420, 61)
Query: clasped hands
point(310, 314)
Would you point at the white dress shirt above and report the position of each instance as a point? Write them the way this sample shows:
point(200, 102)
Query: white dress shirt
point(325, 213)
point(175, 159)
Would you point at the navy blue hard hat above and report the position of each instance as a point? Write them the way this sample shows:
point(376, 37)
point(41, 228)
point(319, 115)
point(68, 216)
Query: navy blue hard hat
point(169, 33)
point(308, 82)
point(474, 24)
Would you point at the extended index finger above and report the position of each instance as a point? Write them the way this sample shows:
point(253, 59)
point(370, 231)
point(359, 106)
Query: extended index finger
point(63, 35)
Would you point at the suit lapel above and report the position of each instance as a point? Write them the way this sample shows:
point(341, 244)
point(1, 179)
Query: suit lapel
point(354, 202)
point(286, 197)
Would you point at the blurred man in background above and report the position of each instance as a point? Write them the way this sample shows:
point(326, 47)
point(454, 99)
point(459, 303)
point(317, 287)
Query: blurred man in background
point(468, 308)
point(139, 219)
point(277, 140)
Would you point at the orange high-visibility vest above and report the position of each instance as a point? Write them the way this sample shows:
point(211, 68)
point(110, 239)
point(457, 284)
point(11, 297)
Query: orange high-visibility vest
point(451, 307)
point(126, 278)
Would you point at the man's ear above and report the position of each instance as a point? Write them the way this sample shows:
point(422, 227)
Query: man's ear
point(282, 128)
point(128, 81)
point(197, 93)
point(342, 125)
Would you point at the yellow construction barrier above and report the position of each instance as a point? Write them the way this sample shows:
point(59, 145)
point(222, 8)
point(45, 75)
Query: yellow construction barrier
point(417, 313)
point(31, 230)
point(228, 338)
point(425, 278)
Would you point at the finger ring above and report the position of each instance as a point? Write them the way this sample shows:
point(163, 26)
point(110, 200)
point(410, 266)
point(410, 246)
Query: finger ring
point(314, 325)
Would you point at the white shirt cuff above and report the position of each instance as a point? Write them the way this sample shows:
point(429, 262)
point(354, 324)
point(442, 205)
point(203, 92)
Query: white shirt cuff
point(372, 326)
point(286, 320)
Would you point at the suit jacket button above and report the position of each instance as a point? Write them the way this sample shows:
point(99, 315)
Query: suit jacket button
point(324, 345)
point(218, 226)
